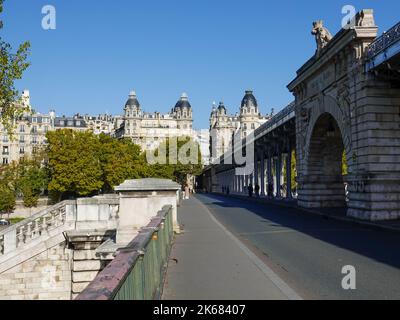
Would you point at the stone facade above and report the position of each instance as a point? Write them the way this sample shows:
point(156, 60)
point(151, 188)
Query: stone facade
point(148, 130)
point(340, 107)
point(223, 127)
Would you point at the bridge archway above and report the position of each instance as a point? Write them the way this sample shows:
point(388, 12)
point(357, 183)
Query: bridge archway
point(324, 184)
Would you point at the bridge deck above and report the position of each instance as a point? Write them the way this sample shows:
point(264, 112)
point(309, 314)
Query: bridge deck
point(212, 264)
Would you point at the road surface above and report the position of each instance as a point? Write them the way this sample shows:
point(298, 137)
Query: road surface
point(290, 254)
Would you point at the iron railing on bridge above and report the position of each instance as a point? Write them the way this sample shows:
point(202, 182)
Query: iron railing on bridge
point(384, 41)
point(137, 271)
point(275, 119)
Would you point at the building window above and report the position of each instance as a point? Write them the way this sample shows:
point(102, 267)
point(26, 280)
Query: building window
point(21, 150)
point(253, 126)
point(5, 160)
point(78, 123)
point(21, 128)
point(46, 128)
point(34, 129)
point(5, 150)
point(34, 120)
point(62, 123)
point(5, 138)
point(70, 123)
point(21, 139)
point(34, 139)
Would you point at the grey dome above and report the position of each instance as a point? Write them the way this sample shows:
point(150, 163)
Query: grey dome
point(249, 99)
point(221, 107)
point(132, 100)
point(183, 102)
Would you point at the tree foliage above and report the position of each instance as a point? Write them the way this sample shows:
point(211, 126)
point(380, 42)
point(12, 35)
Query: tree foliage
point(74, 163)
point(120, 160)
point(32, 181)
point(83, 164)
point(12, 66)
point(183, 159)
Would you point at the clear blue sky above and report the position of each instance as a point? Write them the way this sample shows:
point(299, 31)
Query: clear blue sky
point(213, 50)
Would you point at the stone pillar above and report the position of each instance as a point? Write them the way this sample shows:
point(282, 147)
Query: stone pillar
point(289, 175)
point(140, 200)
point(278, 175)
point(255, 179)
point(263, 174)
point(269, 173)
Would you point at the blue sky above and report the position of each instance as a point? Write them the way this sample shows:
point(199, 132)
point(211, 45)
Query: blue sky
point(213, 50)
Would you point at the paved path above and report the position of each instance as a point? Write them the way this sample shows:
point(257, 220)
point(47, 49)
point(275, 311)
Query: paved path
point(308, 251)
point(208, 262)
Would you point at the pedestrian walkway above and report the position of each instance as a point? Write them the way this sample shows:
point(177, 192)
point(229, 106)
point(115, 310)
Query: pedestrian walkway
point(209, 263)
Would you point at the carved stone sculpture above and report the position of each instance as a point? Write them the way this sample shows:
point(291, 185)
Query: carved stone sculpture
point(322, 35)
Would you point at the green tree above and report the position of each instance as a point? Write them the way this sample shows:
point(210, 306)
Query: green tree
point(12, 66)
point(7, 199)
point(186, 161)
point(74, 163)
point(345, 169)
point(120, 160)
point(32, 181)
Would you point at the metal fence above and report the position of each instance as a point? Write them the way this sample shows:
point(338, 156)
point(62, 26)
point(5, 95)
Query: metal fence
point(384, 41)
point(138, 270)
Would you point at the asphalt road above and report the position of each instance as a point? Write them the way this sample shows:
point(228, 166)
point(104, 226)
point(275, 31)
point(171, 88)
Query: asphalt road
point(308, 252)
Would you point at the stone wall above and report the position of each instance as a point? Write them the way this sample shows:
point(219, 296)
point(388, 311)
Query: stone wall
point(46, 276)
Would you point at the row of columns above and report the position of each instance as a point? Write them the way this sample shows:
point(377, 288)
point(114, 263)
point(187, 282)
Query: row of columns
point(269, 184)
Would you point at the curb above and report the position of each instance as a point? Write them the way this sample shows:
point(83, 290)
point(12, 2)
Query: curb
point(366, 224)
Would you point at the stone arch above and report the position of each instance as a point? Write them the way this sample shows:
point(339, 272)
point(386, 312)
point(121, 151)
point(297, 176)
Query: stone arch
point(329, 105)
point(327, 135)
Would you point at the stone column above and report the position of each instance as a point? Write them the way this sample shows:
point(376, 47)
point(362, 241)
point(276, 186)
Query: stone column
point(269, 173)
point(255, 174)
point(289, 174)
point(278, 175)
point(262, 174)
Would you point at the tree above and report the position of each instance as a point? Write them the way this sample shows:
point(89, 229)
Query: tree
point(345, 169)
point(74, 164)
point(7, 200)
point(12, 66)
point(120, 160)
point(32, 181)
point(185, 161)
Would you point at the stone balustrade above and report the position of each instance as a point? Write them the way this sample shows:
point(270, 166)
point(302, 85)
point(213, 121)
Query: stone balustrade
point(57, 252)
point(96, 212)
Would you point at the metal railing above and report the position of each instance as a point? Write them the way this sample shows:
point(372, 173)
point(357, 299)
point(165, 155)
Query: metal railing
point(384, 41)
point(275, 119)
point(137, 271)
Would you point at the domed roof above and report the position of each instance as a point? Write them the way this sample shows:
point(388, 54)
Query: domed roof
point(183, 102)
point(221, 107)
point(249, 99)
point(132, 100)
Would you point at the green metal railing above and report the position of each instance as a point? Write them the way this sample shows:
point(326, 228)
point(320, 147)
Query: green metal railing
point(137, 272)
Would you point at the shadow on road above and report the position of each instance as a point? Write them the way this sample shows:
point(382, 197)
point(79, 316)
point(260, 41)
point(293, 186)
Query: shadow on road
point(382, 246)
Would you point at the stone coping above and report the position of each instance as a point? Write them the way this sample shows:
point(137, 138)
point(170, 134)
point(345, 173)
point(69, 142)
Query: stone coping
point(149, 184)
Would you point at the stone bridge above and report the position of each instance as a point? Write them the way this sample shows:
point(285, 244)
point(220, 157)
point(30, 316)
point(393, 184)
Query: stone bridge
point(347, 100)
point(56, 253)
